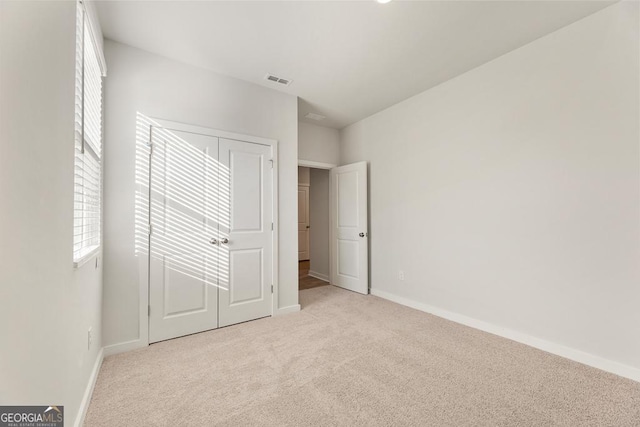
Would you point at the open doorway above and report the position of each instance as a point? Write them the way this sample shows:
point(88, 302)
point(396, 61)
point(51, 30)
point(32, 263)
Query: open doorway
point(313, 227)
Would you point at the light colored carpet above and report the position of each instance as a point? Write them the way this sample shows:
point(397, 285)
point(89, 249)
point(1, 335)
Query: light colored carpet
point(348, 359)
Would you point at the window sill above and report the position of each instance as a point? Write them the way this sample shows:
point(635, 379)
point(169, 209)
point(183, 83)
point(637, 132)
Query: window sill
point(90, 254)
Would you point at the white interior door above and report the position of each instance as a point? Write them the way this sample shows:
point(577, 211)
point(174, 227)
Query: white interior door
point(349, 228)
point(183, 264)
point(246, 203)
point(303, 222)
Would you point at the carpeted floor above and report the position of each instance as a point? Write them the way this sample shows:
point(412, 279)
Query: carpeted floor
point(348, 359)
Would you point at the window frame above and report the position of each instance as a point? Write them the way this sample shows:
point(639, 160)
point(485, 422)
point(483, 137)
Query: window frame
point(88, 164)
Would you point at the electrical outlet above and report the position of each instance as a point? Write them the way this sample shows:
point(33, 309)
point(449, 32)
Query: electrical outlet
point(89, 338)
point(401, 275)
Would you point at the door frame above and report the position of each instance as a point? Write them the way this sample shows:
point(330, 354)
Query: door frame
point(143, 261)
point(328, 167)
point(315, 165)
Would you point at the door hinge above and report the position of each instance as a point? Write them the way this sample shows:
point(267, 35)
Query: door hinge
point(148, 310)
point(150, 229)
point(271, 160)
point(271, 288)
point(271, 226)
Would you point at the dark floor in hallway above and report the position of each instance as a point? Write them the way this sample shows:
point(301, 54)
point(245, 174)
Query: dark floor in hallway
point(304, 280)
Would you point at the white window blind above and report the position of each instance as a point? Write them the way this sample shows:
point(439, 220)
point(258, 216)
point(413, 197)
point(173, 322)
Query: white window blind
point(88, 142)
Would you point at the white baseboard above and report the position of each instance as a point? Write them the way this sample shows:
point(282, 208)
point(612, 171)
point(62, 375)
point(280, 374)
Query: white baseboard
point(86, 398)
point(110, 350)
point(287, 310)
point(317, 275)
point(553, 348)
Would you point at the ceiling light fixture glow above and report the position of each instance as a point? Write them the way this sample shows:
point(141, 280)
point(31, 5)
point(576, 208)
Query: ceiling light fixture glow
point(383, 1)
point(314, 116)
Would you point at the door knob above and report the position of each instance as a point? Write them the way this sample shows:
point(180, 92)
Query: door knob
point(224, 241)
point(213, 241)
point(361, 234)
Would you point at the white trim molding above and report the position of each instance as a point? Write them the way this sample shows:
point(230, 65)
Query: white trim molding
point(553, 348)
point(184, 127)
point(323, 277)
point(315, 165)
point(91, 254)
point(287, 310)
point(122, 347)
point(88, 392)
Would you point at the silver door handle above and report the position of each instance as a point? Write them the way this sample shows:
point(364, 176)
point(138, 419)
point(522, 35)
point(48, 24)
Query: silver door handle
point(361, 234)
point(224, 241)
point(213, 241)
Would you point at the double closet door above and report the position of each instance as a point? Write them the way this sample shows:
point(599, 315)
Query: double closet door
point(211, 238)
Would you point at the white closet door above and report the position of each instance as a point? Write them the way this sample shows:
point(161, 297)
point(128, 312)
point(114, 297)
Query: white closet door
point(183, 263)
point(245, 274)
point(349, 228)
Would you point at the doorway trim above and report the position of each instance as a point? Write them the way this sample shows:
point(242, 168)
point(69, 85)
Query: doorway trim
point(326, 166)
point(315, 165)
point(143, 261)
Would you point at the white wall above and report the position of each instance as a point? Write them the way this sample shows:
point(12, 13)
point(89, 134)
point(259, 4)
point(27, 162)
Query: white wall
point(511, 193)
point(318, 143)
point(161, 88)
point(319, 221)
point(47, 306)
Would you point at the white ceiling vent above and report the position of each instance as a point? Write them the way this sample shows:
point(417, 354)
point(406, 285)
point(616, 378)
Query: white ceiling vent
point(277, 79)
point(314, 116)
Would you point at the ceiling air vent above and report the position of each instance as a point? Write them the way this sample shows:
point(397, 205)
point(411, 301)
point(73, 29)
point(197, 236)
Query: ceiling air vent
point(277, 79)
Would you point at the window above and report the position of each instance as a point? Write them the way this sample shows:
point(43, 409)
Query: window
point(88, 142)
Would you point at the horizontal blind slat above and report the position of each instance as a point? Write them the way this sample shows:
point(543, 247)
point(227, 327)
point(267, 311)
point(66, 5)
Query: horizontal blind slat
point(88, 143)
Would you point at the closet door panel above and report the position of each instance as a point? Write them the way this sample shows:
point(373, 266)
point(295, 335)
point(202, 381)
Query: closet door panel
point(184, 217)
point(245, 273)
